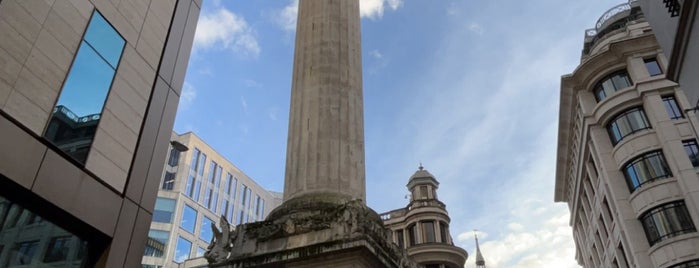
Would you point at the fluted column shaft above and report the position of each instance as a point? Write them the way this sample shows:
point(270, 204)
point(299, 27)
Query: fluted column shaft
point(325, 149)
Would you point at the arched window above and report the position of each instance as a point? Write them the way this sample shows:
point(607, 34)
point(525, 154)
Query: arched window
point(612, 83)
point(627, 123)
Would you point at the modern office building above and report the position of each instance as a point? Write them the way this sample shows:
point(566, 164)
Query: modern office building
point(676, 28)
point(422, 227)
point(627, 155)
point(88, 95)
point(197, 187)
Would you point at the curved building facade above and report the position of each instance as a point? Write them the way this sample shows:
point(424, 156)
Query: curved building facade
point(422, 228)
point(627, 152)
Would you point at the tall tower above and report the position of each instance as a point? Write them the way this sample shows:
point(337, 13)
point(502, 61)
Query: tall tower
point(480, 262)
point(325, 148)
point(323, 220)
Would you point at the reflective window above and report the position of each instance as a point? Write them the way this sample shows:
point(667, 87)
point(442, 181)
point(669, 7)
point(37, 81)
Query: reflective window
point(27, 241)
point(164, 209)
point(156, 244)
point(428, 232)
point(612, 83)
point(206, 232)
point(202, 162)
point(168, 180)
point(174, 157)
point(57, 249)
point(189, 219)
point(627, 123)
point(227, 184)
point(690, 146)
point(646, 168)
point(182, 250)
point(195, 159)
point(74, 120)
point(200, 252)
point(653, 67)
point(673, 110)
point(666, 221)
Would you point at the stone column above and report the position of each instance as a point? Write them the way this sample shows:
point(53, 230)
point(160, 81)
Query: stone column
point(325, 149)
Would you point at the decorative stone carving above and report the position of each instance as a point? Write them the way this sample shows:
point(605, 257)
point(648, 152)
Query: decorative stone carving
point(317, 224)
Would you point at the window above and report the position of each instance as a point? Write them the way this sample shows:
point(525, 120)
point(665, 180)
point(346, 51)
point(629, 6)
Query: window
point(163, 211)
point(174, 157)
point(412, 235)
point(443, 229)
point(646, 168)
point(156, 243)
point(653, 67)
point(182, 249)
point(189, 219)
point(194, 165)
point(627, 123)
point(689, 264)
point(690, 146)
point(168, 180)
point(74, 120)
point(202, 162)
point(612, 83)
point(227, 184)
point(666, 221)
point(200, 252)
point(400, 239)
point(22, 253)
point(57, 249)
point(673, 110)
point(206, 233)
point(428, 232)
point(423, 192)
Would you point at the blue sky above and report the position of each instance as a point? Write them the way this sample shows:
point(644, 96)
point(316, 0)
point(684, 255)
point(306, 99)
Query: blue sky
point(468, 88)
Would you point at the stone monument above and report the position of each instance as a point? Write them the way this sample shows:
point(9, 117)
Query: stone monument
point(324, 220)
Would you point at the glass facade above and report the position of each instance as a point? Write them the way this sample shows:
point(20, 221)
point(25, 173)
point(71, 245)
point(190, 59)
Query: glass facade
point(667, 221)
point(646, 168)
point(156, 244)
point(182, 250)
point(627, 123)
point(168, 181)
point(612, 83)
point(206, 233)
point(27, 240)
point(74, 119)
point(189, 219)
point(164, 210)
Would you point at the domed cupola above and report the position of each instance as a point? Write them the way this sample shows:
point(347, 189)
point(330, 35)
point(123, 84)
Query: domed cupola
point(422, 186)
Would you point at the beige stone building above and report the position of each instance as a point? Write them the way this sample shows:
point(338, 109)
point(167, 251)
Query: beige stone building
point(88, 95)
point(422, 227)
point(198, 186)
point(627, 152)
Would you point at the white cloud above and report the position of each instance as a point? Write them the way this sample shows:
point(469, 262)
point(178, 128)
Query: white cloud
point(372, 9)
point(187, 96)
point(476, 28)
point(225, 29)
point(376, 54)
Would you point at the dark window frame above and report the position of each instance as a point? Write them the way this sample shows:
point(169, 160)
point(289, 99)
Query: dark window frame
point(677, 209)
point(693, 146)
point(599, 89)
point(613, 127)
point(645, 158)
point(673, 109)
point(653, 63)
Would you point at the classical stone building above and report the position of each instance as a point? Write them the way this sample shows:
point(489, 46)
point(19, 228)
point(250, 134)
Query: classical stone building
point(627, 155)
point(676, 28)
point(422, 227)
point(199, 186)
point(88, 95)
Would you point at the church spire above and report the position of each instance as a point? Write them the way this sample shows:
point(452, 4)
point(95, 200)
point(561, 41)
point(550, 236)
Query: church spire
point(480, 262)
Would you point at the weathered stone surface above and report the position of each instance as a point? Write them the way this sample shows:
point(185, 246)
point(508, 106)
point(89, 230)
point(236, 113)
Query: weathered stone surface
point(306, 228)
